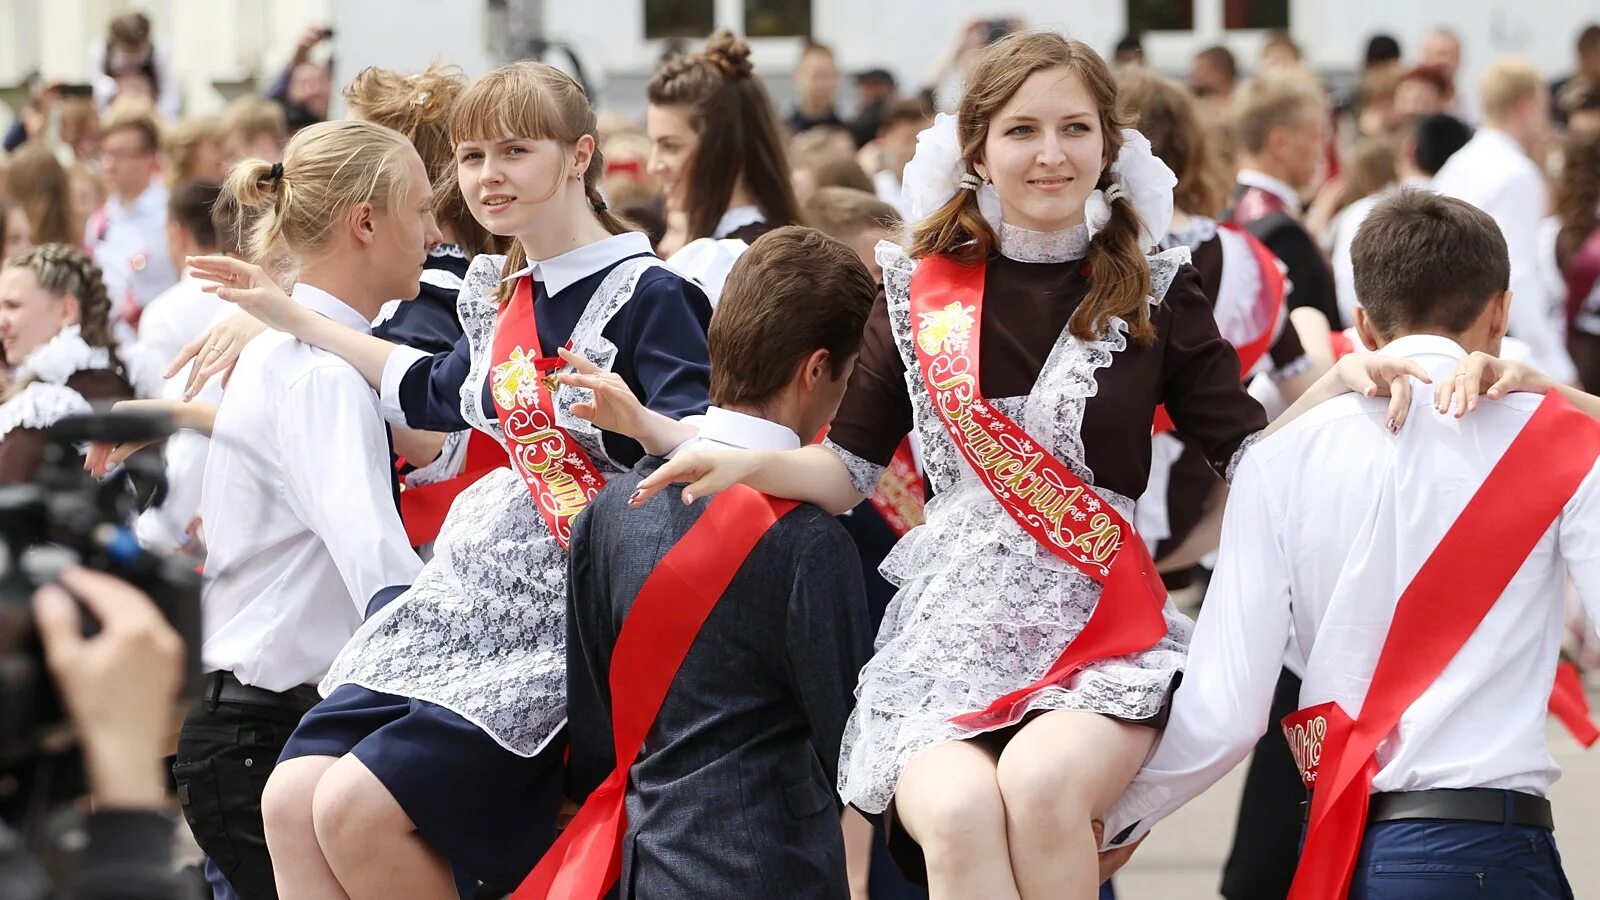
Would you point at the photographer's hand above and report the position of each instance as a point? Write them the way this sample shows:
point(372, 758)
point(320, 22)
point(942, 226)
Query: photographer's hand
point(119, 686)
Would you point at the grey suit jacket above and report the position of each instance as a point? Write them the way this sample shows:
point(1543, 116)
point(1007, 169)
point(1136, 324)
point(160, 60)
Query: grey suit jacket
point(733, 794)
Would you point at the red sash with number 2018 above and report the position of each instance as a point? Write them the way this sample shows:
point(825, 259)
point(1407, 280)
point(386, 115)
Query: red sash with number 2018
point(1437, 612)
point(559, 475)
point(1056, 507)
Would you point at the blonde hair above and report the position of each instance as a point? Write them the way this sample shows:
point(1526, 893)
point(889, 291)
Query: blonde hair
point(1506, 84)
point(1271, 100)
point(182, 143)
point(248, 118)
point(419, 107)
point(845, 213)
point(538, 102)
point(1121, 274)
point(327, 169)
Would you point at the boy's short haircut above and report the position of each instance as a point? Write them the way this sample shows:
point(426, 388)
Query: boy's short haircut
point(1270, 100)
point(1506, 84)
point(137, 121)
point(1424, 261)
point(904, 111)
point(248, 118)
point(793, 292)
point(191, 206)
point(1437, 138)
point(843, 213)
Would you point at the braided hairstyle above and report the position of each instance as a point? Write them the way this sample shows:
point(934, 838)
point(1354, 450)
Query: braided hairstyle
point(62, 269)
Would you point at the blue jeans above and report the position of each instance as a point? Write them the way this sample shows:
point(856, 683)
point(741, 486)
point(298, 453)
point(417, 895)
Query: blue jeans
point(1432, 859)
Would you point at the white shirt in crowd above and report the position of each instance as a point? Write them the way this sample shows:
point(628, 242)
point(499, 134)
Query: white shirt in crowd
point(129, 241)
point(1492, 173)
point(1274, 186)
point(707, 261)
point(177, 316)
point(725, 429)
point(298, 510)
point(1327, 522)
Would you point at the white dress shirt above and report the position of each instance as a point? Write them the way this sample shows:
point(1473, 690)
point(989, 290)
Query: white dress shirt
point(1492, 173)
point(177, 316)
point(725, 429)
point(1327, 522)
point(1274, 186)
point(298, 509)
point(130, 247)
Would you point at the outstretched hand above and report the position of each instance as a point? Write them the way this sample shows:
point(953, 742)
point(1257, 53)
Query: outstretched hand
point(614, 407)
point(706, 472)
point(215, 352)
point(1377, 375)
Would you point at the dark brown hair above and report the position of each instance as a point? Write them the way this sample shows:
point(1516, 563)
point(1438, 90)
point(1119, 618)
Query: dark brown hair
point(1120, 280)
point(418, 106)
point(191, 206)
point(538, 102)
point(40, 186)
point(1577, 194)
point(1423, 260)
point(729, 109)
point(904, 111)
point(1166, 115)
point(795, 291)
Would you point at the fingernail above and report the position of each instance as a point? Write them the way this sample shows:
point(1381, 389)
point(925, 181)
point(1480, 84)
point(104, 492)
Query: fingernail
point(634, 499)
point(688, 497)
point(1390, 424)
point(1493, 394)
point(1367, 392)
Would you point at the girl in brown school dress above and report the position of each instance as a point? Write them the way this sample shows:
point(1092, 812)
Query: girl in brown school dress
point(1037, 212)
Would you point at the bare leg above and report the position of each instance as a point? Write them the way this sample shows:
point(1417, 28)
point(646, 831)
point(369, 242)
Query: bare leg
point(1059, 772)
point(857, 852)
point(371, 843)
point(950, 803)
point(297, 861)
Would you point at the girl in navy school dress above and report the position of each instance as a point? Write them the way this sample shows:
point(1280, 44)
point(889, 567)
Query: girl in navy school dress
point(717, 148)
point(439, 741)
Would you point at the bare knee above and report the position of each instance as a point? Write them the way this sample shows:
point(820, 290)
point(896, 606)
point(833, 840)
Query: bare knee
point(351, 807)
point(951, 810)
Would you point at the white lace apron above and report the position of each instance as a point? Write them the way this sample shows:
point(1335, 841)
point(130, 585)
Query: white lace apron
point(983, 609)
point(483, 631)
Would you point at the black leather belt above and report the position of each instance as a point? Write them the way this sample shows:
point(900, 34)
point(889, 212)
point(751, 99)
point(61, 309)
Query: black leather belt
point(223, 687)
point(1495, 807)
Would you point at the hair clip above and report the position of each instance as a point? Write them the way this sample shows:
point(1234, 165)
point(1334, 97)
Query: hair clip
point(599, 206)
point(275, 174)
point(420, 99)
point(969, 182)
point(1115, 192)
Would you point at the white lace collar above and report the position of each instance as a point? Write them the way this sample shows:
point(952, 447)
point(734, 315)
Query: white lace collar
point(61, 357)
point(737, 218)
point(1199, 230)
point(1023, 245)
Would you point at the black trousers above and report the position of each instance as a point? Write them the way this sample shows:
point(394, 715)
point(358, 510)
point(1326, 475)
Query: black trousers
point(1266, 841)
point(226, 751)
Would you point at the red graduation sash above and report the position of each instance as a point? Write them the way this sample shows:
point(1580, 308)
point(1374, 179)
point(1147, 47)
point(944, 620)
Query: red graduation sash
point(423, 509)
point(1056, 507)
point(673, 603)
point(1514, 506)
point(1271, 292)
point(559, 475)
point(898, 497)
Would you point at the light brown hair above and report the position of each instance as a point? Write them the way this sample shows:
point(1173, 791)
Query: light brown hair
point(728, 107)
point(1120, 282)
point(1424, 260)
point(328, 168)
point(183, 141)
point(1577, 194)
point(39, 185)
point(139, 121)
point(1374, 167)
point(795, 291)
point(1166, 115)
point(844, 213)
point(1271, 100)
point(62, 269)
point(538, 102)
point(419, 107)
point(249, 118)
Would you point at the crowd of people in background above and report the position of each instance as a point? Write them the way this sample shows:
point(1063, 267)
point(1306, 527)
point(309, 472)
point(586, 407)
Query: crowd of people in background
point(106, 190)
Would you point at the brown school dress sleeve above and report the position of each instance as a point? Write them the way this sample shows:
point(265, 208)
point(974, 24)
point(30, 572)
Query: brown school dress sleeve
point(876, 412)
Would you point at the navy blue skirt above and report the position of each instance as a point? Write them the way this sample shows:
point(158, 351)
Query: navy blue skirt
point(488, 811)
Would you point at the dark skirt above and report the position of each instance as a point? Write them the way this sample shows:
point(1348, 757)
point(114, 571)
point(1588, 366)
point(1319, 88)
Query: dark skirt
point(488, 811)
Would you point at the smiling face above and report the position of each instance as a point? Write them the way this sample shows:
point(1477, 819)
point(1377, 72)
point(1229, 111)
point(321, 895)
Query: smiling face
point(1044, 151)
point(508, 183)
point(404, 232)
point(29, 314)
point(673, 143)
